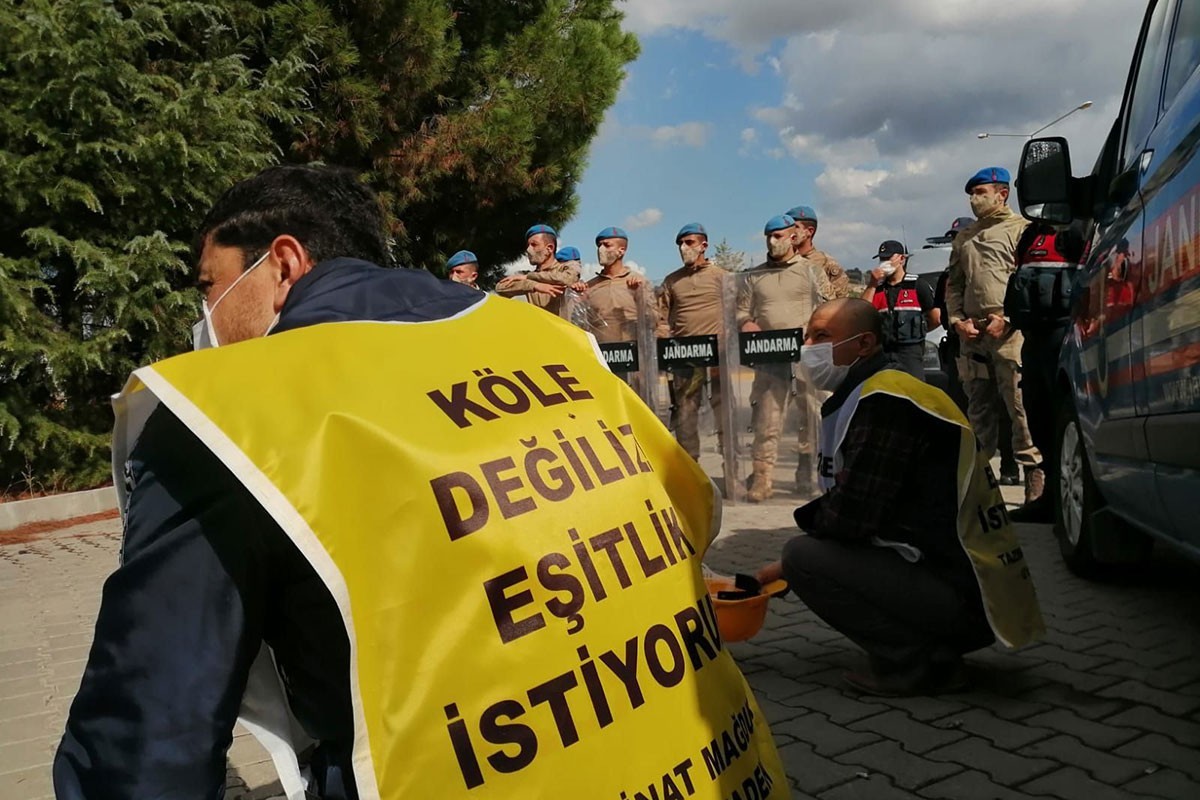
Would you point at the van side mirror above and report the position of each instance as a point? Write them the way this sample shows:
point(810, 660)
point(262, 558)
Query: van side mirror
point(1044, 181)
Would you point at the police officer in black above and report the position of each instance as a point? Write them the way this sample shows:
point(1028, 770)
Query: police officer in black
point(907, 306)
point(1038, 303)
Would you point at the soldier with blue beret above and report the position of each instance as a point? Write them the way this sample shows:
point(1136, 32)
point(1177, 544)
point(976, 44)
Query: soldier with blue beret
point(806, 232)
point(463, 267)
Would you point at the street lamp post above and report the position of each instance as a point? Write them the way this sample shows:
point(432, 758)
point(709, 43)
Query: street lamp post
point(1084, 105)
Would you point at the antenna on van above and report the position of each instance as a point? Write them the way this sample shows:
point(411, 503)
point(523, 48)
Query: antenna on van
point(904, 238)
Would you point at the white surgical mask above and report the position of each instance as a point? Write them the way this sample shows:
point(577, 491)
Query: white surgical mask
point(817, 362)
point(888, 268)
point(203, 333)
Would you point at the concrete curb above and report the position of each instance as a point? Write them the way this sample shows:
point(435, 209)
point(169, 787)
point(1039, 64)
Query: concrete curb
point(56, 507)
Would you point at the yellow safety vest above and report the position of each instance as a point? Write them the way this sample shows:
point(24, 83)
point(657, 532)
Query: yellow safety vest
point(514, 542)
point(984, 528)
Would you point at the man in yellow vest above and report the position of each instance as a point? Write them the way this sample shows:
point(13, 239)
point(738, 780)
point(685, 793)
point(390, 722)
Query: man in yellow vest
point(892, 558)
point(437, 571)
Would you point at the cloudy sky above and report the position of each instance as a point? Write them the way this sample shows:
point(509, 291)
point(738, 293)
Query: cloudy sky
point(867, 111)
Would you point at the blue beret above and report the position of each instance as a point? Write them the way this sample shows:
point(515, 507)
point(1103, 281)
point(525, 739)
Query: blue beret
point(611, 233)
point(568, 254)
point(461, 257)
point(689, 229)
point(782, 222)
point(988, 175)
point(540, 228)
point(803, 214)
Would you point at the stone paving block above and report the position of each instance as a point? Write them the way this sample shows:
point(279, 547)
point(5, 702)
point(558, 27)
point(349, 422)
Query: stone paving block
point(1174, 677)
point(810, 772)
point(1002, 733)
point(777, 712)
point(1007, 707)
point(1072, 783)
point(1091, 681)
point(744, 651)
point(1077, 623)
point(1103, 766)
point(905, 769)
point(1068, 658)
point(1077, 642)
point(823, 736)
point(1140, 693)
point(1006, 768)
point(970, 785)
point(915, 737)
point(1155, 721)
point(926, 708)
point(1122, 651)
point(1090, 732)
point(787, 665)
point(777, 687)
point(1158, 749)
point(1166, 783)
point(1082, 703)
point(876, 787)
point(838, 707)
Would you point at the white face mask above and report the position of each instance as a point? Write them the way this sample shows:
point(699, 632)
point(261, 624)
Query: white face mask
point(984, 204)
point(817, 362)
point(690, 255)
point(203, 333)
point(608, 256)
point(888, 268)
point(778, 249)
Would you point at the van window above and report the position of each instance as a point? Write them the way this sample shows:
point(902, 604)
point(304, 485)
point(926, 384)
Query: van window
point(1185, 50)
point(1141, 113)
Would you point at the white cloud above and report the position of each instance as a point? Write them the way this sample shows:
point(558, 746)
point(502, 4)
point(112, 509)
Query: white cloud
point(749, 136)
point(850, 183)
point(690, 134)
point(645, 218)
point(884, 99)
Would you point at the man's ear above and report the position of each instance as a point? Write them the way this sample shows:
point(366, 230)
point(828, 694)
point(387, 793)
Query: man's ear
point(290, 262)
point(867, 344)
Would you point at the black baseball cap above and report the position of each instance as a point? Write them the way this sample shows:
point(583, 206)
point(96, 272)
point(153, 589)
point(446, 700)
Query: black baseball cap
point(890, 248)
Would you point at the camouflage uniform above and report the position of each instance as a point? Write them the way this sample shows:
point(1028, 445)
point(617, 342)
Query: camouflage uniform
point(775, 298)
point(838, 279)
point(982, 258)
point(690, 304)
point(558, 273)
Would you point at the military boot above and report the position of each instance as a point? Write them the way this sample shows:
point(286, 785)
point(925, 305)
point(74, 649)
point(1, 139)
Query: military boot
point(1035, 484)
point(760, 482)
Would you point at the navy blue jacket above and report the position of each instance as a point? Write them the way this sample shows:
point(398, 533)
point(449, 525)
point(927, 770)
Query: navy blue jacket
point(206, 577)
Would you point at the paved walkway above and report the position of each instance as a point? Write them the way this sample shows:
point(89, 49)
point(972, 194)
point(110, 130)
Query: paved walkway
point(1107, 707)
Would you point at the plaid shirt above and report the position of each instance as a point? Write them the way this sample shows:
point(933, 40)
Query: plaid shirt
point(899, 475)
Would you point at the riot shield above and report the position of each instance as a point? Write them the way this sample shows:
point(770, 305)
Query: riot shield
point(772, 414)
point(622, 320)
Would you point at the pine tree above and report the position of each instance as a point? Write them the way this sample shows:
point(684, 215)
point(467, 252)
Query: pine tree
point(122, 120)
point(472, 118)
point(729, 259)
point(119, 125)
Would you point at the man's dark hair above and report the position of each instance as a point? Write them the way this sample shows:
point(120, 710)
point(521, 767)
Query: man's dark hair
point(327, 209)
